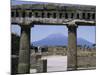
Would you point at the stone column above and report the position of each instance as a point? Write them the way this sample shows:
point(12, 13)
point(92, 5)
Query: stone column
point(72, 48)
point(39, 63)
point(24, 51)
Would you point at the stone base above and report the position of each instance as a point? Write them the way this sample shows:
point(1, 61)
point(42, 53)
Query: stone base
point(71, 69)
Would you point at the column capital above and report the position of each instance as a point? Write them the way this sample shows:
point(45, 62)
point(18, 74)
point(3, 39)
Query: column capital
point(26, 25)
point(72, 25)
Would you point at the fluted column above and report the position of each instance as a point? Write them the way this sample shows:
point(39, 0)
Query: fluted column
point(24, 51)
point(72, 47)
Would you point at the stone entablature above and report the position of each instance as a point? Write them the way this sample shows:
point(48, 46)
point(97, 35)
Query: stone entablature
point(56, 14)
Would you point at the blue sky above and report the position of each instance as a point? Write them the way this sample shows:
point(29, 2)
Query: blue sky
point(19, 2)
point(39, 32)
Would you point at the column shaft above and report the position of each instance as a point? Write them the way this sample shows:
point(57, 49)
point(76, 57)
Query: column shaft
point(72, 48)
point(24, 53)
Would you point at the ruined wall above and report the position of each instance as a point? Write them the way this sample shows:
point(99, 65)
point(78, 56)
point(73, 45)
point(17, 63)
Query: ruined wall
point(57, 51)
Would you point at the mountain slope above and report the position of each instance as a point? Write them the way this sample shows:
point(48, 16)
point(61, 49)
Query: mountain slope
point(59, 40)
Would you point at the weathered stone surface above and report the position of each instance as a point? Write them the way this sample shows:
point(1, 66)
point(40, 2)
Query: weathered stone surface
point(72, 48)
point(53, 14)
point(24, 53)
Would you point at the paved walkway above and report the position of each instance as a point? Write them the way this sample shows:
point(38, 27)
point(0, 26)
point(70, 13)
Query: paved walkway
point(56, 63)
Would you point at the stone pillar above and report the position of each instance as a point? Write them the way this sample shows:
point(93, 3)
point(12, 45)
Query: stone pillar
point(44, 65)
point(39, 63)
point(72, 48)
point(24, 51)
